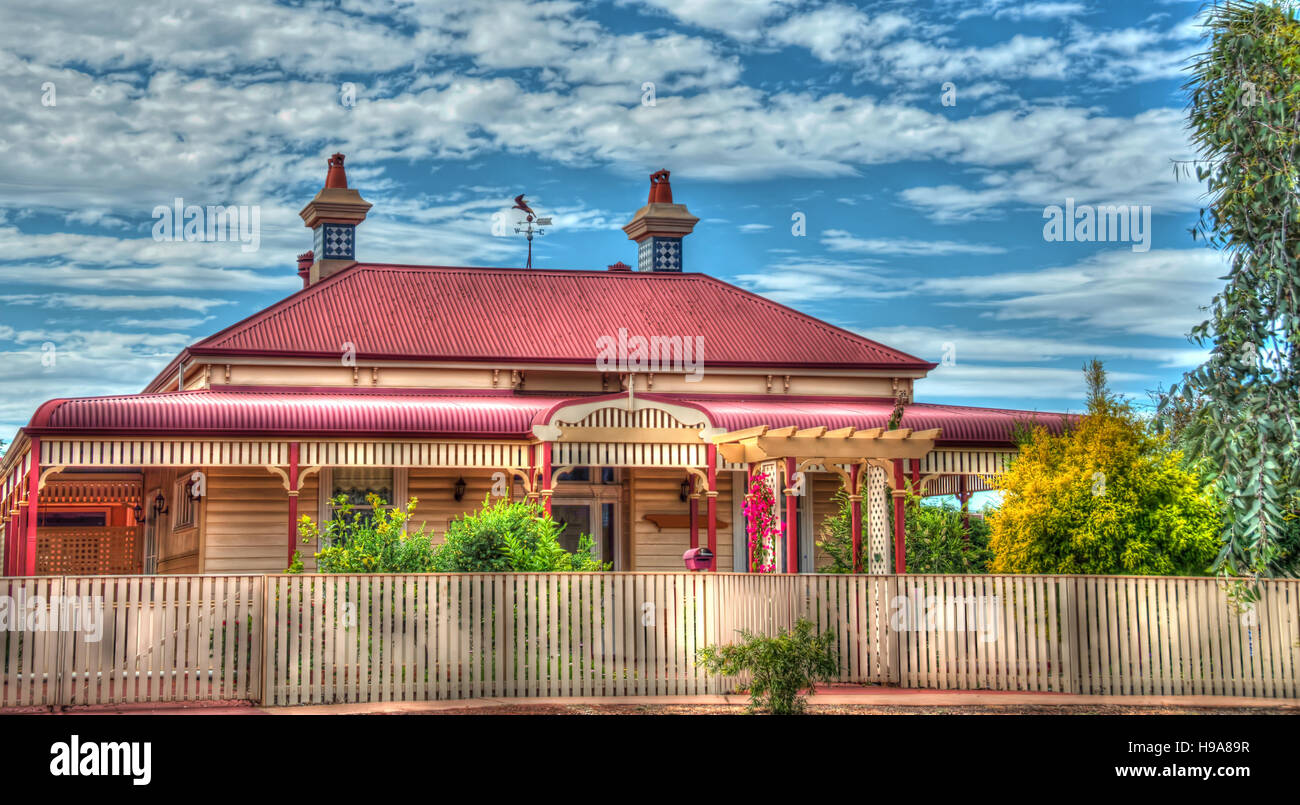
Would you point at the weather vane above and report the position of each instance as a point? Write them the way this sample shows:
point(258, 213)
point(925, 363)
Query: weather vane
point(531, 225)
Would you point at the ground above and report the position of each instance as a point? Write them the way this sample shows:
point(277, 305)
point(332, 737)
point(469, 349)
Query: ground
point(853, 709)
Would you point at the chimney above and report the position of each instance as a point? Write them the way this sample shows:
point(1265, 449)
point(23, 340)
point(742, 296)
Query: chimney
point(333, 216)
point(658, 228)
point(304, 267)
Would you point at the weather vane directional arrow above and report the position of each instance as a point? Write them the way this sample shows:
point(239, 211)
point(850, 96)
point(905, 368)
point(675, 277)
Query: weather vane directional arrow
point(530, 226)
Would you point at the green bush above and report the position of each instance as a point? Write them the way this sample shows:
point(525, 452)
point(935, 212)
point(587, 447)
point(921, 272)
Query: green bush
point(934, 540)
point(779, 666)
point(504, 537)
point(368, 541)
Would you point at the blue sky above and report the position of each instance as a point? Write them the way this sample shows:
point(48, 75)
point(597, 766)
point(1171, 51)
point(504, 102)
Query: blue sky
point(924, 221)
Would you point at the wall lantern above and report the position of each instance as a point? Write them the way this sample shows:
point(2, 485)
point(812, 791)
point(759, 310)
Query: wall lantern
point(686, 490)
point(160, 505)
point(138, 511)
point(460, 488)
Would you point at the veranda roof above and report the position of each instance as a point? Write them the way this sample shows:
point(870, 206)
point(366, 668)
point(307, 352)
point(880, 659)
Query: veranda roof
point(264, 411)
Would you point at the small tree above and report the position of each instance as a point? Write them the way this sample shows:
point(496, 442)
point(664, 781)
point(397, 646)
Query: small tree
point(1105, 496)
point(505, 536)
point(367, 541)
point(779, 666)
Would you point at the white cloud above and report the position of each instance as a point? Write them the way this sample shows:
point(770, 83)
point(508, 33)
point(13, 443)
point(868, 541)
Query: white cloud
point(961, 345)
point(838, 240)
point(1016, 382)
point(1157, 293)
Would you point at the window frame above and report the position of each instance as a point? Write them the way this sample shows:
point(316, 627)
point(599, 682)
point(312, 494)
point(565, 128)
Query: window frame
point(325, 487)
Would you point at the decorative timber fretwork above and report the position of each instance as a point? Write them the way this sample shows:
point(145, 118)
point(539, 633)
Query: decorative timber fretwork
point(628, 431)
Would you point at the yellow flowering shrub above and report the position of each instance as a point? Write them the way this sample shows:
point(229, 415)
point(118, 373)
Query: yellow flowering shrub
point(1106, 496)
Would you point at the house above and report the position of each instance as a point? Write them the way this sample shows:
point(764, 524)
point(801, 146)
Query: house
point(633, 404)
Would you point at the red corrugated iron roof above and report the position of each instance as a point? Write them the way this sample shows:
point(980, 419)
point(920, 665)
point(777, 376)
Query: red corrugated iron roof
point(290, 411)
point(325, 412)
point(482, 314)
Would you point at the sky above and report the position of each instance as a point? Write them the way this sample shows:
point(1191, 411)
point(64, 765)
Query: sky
point(889, 167)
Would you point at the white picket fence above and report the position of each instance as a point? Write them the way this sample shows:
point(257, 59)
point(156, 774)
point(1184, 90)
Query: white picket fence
point(306, 639)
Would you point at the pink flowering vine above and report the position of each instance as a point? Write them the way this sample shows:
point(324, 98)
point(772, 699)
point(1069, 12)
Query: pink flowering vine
point(761, 525)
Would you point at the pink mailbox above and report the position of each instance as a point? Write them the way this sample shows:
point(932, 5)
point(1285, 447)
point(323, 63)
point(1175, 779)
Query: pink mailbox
point(698, 559)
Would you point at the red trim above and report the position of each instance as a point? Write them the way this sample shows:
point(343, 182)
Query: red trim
point(34, 501)
point(856, 522)
point(533, 359)
point(293, 500)
point(791, 521)
point(712, 453)
point(546, 477)
point(694, 511)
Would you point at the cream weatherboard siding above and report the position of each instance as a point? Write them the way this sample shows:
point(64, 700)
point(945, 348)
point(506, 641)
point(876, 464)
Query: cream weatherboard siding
point(246, 518)
point(659, 492)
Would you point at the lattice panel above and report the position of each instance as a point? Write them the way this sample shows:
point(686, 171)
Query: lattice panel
point(87, 551)
point(877, 521)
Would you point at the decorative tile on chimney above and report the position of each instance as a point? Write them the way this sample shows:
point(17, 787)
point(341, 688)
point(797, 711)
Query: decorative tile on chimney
point(658, 228)
point(333, 216)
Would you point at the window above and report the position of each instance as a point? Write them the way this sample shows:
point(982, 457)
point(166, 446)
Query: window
point(184, 505)
point(72, 519)
point(607, 476)
point(357, 483)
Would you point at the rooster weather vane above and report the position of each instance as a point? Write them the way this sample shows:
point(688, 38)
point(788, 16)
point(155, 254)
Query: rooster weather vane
point(531, 225)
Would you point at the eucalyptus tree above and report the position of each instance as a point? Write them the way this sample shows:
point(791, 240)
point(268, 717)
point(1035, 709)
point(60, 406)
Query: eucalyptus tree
point(1237, 413)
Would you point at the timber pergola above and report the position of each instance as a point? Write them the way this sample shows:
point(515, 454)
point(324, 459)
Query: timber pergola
point(797, 449)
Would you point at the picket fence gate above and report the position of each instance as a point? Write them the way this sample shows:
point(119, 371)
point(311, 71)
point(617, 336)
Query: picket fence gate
point(319, 639)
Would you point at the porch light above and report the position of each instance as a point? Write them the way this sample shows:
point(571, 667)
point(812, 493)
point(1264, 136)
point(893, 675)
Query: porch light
point(160, 505)
point(686, 490)
point(138, 511)
point(460, 488)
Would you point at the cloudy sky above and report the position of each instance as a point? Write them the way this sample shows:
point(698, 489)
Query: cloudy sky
point(920, 142)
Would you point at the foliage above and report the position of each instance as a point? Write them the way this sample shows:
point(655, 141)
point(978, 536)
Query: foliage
point(761, 524)
point(368, 540)
point(1240, 410)
point(934, 540)
point(507, 536)
point(295, 564)
point(1106, 496)
point(779, 667)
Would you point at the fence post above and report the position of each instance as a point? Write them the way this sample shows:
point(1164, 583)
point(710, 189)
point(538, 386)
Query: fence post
point(891, 643)
point(266, 640)
point(59, 697)
point(1070, 649)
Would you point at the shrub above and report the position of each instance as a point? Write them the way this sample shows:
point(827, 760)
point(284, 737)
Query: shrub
point(779, 666)
point(934, 541)
point(1105, 496)
point(369, 541)
point(505, 536)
